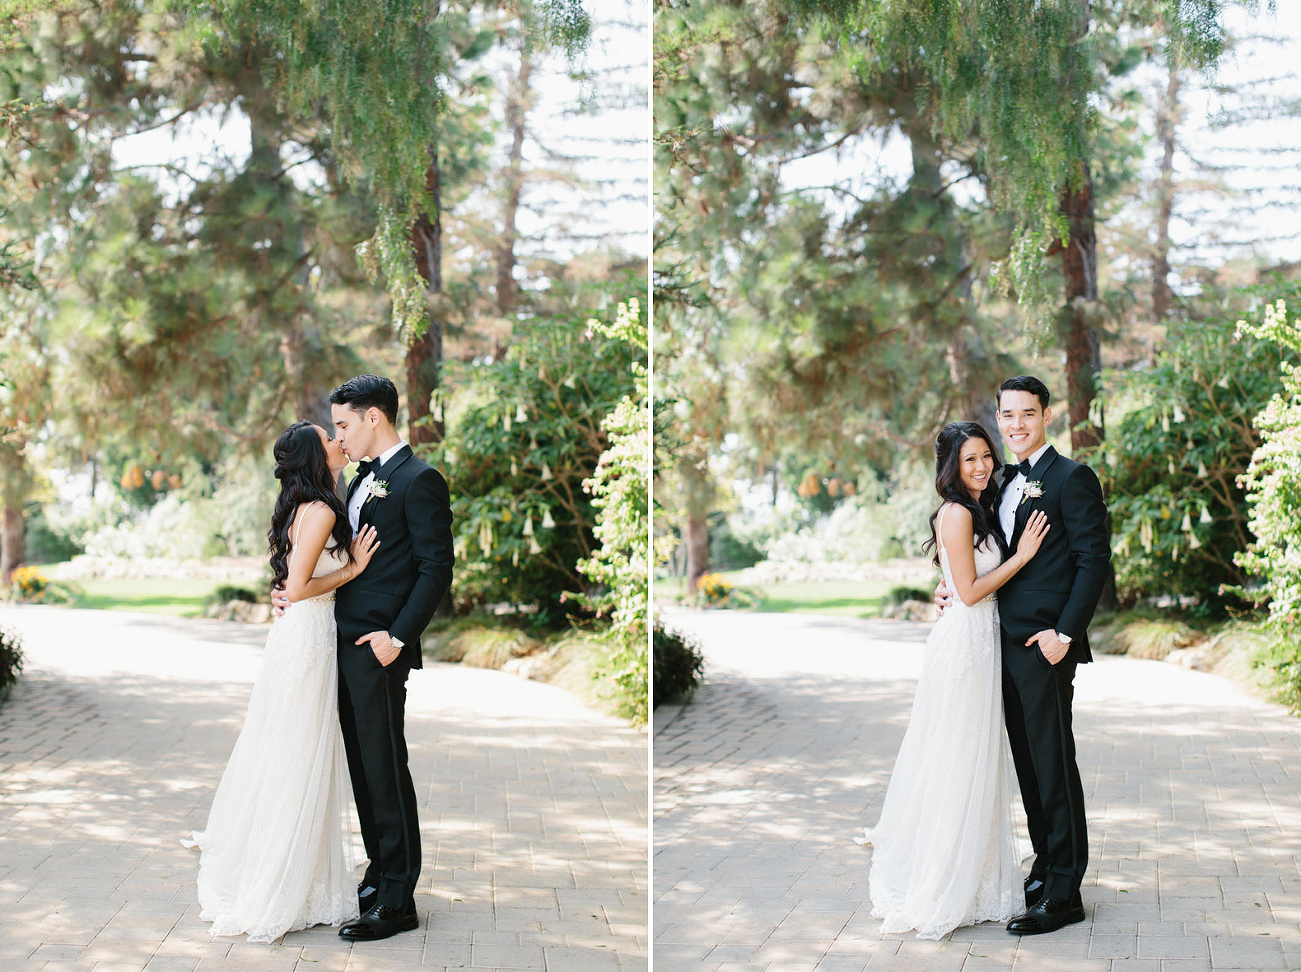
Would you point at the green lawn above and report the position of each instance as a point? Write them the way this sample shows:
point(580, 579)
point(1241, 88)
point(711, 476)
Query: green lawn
point(854, 599)
point(179, 598)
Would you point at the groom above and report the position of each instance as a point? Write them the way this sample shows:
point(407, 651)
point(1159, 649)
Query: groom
point(380, 616)
point(1044, 612)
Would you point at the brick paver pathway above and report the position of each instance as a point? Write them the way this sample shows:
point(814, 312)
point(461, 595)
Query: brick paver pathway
point(1194, 805)
point(533, 811)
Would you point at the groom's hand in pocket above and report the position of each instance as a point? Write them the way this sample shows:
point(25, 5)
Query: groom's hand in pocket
point(382, 645)
point(1049, 646)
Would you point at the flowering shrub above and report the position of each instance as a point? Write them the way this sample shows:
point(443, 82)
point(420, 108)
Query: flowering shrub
point(1171, 465)
point(714, 589)
point(1273, 483)
point(31, 586)
point(621, 499)
point(29, 583)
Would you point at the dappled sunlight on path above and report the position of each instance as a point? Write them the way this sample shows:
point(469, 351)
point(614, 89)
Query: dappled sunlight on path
point(1193, 789)
point(532, 809)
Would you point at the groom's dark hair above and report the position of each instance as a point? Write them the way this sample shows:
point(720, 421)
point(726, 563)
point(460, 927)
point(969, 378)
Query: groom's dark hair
point(368, 391)
point(1025, 383)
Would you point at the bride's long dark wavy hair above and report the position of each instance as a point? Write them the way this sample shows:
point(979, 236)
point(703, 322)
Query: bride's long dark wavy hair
point(948, 483)
point(305, 477)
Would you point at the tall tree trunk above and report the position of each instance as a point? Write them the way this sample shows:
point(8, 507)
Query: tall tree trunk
point(517, 106)
point(15, 482)
point(1167, 118)
point(13, 554)
point(699, 495)
point(697, 544)
point(424, 356)
point(1077, 322)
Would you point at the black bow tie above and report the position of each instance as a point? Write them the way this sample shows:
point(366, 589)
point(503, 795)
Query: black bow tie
point(366, 466)
point(1024, 468)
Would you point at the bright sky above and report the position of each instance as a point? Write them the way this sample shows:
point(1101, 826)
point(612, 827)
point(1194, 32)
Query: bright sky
point(614, 169)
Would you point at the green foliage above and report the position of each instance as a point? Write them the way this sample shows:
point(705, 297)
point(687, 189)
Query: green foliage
point(11, 659)
point(679, 664)
point(620, 490)
point(1273, 483)
point(377, 73)
point(1171, 465)
point(903, 592)
point(523, 433)
point(845, 324)
point(233, 592)
point(44, 542)
point(1273, 480)
point(1027, 76)
point(1281, 658)
point(727, 550)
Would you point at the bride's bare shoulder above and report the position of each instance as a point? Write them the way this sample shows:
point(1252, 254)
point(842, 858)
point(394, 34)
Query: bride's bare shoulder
point(954, 512)
point(957, 526)
point(309, 513)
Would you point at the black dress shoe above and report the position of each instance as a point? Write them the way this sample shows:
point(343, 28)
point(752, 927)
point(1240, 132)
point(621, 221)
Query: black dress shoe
point(380, 922)
point(367, 896)
point(1047, 915)
point(1034, 890)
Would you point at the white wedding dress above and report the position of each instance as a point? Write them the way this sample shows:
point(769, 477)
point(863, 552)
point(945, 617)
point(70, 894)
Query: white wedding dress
point(277, 855)
point(945, 850)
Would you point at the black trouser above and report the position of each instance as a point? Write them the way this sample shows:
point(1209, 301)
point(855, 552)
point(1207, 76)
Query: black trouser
point(372, 703)
point(1037, 706)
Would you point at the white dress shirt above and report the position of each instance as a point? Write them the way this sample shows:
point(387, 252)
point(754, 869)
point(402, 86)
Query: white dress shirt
point(359, 495)
point(1011, 498)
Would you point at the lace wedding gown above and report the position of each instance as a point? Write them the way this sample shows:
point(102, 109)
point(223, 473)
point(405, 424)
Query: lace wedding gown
point(277, 855)
point(945, 851)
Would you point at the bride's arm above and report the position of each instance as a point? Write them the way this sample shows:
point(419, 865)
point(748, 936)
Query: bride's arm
point(317, 522)
point(959, 540)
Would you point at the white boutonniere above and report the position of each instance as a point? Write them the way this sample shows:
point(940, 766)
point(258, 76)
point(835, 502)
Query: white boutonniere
point(377, 489)
point(1033, 490)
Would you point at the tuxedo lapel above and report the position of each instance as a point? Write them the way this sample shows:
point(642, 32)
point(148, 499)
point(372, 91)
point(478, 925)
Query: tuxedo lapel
point(1027, 504)
point(382, 473)
point(1002, 478)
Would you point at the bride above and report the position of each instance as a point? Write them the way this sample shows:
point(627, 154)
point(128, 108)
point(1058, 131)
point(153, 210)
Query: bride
point(276, 854)
point(945, 850)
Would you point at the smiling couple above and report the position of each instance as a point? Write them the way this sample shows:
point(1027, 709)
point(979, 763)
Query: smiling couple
point(1026, 550)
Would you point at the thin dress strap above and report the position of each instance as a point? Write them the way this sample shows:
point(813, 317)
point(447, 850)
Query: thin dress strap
point(939, 525)
point(293, 541)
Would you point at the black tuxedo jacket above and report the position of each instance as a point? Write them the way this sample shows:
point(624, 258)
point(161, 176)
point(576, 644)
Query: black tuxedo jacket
point(1059, 588)
point(404, 582)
